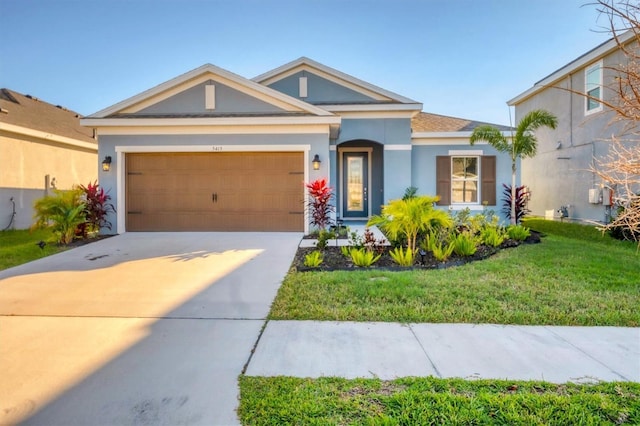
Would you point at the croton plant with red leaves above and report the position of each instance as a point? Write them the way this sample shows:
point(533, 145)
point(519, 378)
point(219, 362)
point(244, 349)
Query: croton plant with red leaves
point(320, 203)
point(96, 210)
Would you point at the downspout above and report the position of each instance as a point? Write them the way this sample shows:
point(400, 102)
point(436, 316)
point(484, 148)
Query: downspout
point(570, 109)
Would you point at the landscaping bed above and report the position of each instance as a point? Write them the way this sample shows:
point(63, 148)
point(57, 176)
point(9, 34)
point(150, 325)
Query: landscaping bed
point(334, 260)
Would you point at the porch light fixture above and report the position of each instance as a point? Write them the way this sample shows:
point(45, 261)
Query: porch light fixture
point(106, 164)
point(316, 162)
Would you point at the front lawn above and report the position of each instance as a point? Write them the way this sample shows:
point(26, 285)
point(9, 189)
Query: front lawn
point(21, 246)
point(421, 401)
point(574, 277)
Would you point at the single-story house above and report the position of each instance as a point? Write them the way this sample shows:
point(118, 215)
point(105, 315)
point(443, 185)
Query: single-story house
point(560, 176)
point(211, 150)
point(42, 147)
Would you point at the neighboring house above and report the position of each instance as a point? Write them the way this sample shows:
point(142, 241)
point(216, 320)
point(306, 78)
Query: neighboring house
point(42, 146)
point(559, 176)
point(211, 150)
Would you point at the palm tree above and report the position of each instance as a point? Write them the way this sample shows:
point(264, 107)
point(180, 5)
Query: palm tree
point(407, 217)
point(522, 145)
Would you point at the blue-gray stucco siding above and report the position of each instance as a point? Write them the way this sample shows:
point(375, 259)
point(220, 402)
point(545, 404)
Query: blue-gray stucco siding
point(319, 90)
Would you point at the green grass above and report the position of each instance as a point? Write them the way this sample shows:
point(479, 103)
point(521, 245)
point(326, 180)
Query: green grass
point(423, 401)
point(574, 277)
point(575, 231)
point(20, 246)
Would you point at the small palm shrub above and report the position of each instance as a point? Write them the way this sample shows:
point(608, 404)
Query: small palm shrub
point(313, 259)
point(407, 218)
point(518, 232)
point(464, 244)
point(492, 236)
point(63, 212)
point(403, 257)
point(362, 257)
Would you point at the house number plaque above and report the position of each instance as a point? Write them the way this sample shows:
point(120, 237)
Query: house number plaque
point(217, 148)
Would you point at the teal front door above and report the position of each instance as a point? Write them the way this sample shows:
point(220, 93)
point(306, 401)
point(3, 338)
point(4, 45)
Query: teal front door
point(355, 182)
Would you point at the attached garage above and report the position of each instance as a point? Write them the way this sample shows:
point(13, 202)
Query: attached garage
point(220, 191)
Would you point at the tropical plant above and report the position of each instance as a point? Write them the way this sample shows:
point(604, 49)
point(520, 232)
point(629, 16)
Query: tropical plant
point(323, 239)
point(313, 259)
point(407, 218)
point(518, 232)
point(63, 212)
point(492, 236)
point(97, 207)
point(522, 198)
point(410, 192)
point(522, 144)
point(403, 257)
point(362, 257)
point(320, 194)
point(346, 251)
point(464, 244)
point(438, 242)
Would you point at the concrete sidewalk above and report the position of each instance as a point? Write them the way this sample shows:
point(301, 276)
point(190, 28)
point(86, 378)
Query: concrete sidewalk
point(389, 350)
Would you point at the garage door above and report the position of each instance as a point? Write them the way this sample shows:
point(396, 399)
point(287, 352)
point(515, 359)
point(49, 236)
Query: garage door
point(239, 191)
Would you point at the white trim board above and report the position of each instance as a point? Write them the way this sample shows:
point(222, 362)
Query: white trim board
point(397, 147)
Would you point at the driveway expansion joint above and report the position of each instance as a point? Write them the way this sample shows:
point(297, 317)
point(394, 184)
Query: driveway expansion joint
point(433, 365)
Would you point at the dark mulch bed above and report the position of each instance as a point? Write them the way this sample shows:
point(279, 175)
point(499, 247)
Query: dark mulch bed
point(334, 260)
point(77, 242)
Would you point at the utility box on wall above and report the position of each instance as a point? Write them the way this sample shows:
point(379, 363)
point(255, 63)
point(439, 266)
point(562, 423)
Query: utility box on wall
point(607, 196)
point(594, 196)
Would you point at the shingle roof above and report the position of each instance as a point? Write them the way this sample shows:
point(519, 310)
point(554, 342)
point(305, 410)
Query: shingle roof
point(427, 122)
point(32, 113)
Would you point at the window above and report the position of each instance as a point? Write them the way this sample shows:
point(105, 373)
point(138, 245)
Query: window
point(458, 178)
point(593, 88)
point(464, 180)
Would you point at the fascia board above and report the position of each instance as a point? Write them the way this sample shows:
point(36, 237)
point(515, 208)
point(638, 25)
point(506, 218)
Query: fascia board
point(440, 135)
point(331, 74)
point(193, 77)
point(213, 121)
point(575, 65)
point(374, 107)
point(50, 137)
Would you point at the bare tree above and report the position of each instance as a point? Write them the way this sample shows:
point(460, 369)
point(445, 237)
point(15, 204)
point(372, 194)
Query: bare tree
point(620, 169)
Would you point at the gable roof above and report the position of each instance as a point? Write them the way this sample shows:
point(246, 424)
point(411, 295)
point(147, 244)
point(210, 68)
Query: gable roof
point(303, 63)
point(199, 75)
point(580, 62)
point(24, 112)
point(426, 123)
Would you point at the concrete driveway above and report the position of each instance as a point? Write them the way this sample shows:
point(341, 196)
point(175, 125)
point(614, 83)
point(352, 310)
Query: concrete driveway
point(140, 328)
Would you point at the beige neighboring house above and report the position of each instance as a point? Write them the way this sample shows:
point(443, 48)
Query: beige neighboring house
point(42, 147)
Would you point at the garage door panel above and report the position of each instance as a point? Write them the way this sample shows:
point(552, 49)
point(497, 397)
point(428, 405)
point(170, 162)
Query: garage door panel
point(215, 191)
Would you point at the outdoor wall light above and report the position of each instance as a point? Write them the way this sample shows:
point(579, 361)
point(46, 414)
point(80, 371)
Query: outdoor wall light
point(316, 162)
point(106, 164)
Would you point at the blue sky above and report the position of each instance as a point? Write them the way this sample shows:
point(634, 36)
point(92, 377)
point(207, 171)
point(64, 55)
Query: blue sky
point(463, 58)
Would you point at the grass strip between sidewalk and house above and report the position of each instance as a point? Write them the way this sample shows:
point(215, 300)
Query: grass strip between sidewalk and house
point(574, 277)
point(21, 246)
point(287, 400)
